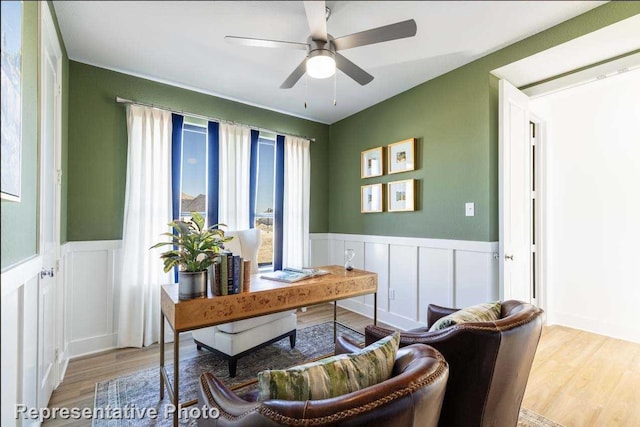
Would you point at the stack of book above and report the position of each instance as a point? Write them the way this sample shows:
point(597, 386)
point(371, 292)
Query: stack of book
point(230, 274)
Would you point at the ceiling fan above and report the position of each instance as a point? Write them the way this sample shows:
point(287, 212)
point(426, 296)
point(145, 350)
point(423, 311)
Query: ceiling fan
point(322, 49)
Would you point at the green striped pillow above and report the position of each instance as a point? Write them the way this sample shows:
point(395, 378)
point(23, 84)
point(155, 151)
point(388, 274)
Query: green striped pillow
point(333, 376)
point(486, 312)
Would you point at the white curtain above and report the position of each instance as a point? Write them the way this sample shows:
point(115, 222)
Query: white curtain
point(146, 214)
point(297, 172)
point(235, 150)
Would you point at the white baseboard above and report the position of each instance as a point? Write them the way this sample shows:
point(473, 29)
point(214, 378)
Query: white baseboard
point(88, 346)
point(628, 332)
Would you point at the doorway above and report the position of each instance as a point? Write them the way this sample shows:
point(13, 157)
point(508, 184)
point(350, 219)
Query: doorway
point(593, 226)
point(585, 166)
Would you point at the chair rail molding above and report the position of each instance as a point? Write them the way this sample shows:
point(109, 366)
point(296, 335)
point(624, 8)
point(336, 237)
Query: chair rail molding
point(413, 272)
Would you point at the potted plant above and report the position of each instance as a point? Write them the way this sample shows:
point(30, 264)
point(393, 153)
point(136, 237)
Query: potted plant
point(194, 250)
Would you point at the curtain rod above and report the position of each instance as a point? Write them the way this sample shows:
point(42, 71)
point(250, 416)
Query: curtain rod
point(121, 100)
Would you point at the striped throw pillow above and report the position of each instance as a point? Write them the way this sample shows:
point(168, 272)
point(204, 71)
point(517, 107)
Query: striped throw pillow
point(486, 312)
point(333, 376)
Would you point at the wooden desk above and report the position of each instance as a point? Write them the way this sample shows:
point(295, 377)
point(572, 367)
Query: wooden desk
point(264, 297)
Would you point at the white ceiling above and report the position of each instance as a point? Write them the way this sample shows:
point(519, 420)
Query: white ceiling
point(182, 43)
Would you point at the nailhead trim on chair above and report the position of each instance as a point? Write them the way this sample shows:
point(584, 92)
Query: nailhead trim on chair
point(282, 419)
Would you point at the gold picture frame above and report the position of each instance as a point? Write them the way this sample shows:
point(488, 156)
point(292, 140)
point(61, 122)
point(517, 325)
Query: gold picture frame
point(401, 196)
point(401, 156)
point(371, 198)
point(371, 163)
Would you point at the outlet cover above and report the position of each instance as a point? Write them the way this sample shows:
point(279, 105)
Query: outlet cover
point(469, 209)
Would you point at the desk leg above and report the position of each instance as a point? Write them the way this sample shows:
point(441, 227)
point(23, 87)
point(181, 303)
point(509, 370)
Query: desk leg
point(176, 376)
point(335, 317)
point(161, 354)
point(375, 308)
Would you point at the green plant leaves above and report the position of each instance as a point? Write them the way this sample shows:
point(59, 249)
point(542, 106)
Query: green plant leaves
point(194, 246)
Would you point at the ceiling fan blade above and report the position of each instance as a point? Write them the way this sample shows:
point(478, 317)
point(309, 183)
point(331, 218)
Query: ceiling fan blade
point(399, 30)
point(317, 18)
point(295, 76)
point(246, 41)
point(352, 70)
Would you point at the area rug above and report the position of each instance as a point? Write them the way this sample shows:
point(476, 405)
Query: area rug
point(132, 393)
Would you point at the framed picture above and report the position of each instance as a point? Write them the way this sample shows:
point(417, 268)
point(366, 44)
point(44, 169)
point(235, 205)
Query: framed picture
point(401, 156)
point(401, 195)
point(11, 101)
point(371, 198)
point(371, 163)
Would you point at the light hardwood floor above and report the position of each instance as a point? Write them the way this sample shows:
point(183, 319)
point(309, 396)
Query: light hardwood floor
point(577, 379)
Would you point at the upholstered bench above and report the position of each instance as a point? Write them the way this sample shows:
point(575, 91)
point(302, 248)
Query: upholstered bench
point(237, 339)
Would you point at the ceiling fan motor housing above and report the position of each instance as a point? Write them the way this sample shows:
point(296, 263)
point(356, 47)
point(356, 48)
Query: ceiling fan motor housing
point(321, 47)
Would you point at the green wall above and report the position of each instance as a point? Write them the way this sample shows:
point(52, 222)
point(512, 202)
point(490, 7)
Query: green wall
point(97, 151)
point(454, 118)
point(19, 220)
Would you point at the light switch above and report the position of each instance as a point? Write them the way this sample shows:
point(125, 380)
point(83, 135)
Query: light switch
point(469, 209)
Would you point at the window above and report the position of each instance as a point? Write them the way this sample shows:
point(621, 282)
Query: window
point(265, 180)
point(193, 196)
point(195, 173)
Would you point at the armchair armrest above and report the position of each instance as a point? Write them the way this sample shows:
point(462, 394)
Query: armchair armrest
point(435, 312)
point(374, 333)
point(217, 395)
point(345, 345)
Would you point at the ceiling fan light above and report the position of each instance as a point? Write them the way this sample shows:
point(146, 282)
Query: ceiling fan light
point(321, 66)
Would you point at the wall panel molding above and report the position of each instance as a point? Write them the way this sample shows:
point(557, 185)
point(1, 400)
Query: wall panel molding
point(19, 319)
point(414, 272)
point(91, 295)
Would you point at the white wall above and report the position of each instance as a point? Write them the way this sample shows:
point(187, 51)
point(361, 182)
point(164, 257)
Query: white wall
point(593, 205)
point(414, 272)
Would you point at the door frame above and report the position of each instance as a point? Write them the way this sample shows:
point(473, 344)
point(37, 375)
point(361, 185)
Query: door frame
point(49, 37)
point(540, 207)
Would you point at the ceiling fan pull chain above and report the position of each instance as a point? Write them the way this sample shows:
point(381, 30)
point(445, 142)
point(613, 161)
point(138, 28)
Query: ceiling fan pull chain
point(335, 96)
point(306, 89)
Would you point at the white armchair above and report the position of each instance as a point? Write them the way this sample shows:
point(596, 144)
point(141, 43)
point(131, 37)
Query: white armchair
point(236, 339)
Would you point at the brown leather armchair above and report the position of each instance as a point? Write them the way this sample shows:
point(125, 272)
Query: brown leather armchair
point(489, 362)
point(411, 397)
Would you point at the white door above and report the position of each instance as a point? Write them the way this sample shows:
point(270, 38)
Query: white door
point(515, 189)
point(49, 313)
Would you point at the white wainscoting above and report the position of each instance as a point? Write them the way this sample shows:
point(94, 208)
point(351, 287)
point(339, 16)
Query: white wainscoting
point(91, 297)
point(19, 338)
point(414, 272)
